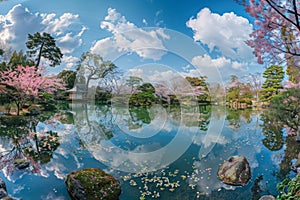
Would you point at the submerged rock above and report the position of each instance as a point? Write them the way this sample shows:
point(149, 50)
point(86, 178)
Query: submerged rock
point(235, 171)
point(92, 183)
point(2, 184)
point(267, 197)
point(3, 192)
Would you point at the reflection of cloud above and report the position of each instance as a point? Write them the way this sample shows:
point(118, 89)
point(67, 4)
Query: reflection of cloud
point(52, 196)
point(60, 171)
point(127, 37)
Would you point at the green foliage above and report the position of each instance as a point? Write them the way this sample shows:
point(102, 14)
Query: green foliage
point(95, 183)
point(43, 45)
point(289, 189)
point(203, 89)
point(145, 96)
point(285, 108)
point(17, 58)
point(68, 78)
point(14, 121)
point(133, 82)
point(147, 87)
point(274, 76)
point(47, 102)
point(142, 99)
point(293, 71)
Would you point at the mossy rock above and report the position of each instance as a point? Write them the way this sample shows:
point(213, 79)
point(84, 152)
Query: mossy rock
point(92, 183)
point(235, 171)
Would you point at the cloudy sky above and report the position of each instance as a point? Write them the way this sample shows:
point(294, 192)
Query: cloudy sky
point(190, 37)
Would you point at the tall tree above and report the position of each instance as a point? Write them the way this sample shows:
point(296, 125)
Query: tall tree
point(255, 82)
point(276, 30)
point(200, 86)
point(133, 82)
point(24, 83)
point(94, 67)
point(274, 76)
point(43, 45)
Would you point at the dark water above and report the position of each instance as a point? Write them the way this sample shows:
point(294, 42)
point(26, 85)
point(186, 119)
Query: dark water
point(165, 153)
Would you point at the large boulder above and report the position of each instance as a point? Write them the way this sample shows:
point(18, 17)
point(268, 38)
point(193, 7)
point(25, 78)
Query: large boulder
point(235, 171)
point(92, 183)
point(2, 184)
point(296, 165)
point(3, 192)
point(267, 197)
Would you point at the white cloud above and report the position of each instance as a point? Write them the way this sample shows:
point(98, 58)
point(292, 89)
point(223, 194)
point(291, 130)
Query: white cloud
point(128, 38)
point(19, 22)
point(227, 33)
point(70, 61)
point(214, 68)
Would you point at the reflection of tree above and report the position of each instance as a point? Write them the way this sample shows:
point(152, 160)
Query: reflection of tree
point(283, 113)
point(273, 133)
point(26, 148)
point(235, 117)
point(290, 153)
point(204, 118)
point(285, 108)
point(138, 117)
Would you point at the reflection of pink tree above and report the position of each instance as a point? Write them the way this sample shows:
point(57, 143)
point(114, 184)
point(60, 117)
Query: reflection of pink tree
point(25, 83)
point(10, 158)
point(276, 29)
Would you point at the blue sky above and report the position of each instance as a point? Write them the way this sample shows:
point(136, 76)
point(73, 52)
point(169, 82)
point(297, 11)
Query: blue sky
point(111, 27)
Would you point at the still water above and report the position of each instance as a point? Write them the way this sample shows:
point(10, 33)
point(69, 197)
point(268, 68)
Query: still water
point(156, 152)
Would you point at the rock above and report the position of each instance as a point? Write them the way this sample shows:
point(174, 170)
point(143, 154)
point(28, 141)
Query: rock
point(21, 163)
point(92, 183)
point(235, 171)
point(3, 193)
point(2, 184)
point(267, 197)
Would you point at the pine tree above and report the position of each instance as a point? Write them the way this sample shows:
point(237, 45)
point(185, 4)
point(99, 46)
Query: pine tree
point(274, 76)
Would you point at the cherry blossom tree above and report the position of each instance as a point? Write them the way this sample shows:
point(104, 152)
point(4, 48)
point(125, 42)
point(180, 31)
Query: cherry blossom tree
point(275, 37)
point(25, 83)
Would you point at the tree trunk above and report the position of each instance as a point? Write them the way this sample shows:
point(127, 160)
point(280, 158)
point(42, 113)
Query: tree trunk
point(18, 108)
point(39, 56)
point(298, 136)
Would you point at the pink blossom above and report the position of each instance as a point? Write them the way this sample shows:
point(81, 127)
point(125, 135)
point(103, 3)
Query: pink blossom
point(276, 29)
point(27, 82)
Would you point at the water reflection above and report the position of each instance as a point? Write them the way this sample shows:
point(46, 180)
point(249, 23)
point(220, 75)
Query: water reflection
point(93, 135)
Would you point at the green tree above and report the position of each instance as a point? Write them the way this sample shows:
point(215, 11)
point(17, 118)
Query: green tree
point(68, 77)
point(43, 45)
point(200, 83)
point(133, 82)
point(145, 96)
point(18, 58)
point(274, 76)
point(94, 67)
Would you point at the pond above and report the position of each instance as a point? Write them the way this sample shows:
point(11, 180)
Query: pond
point(156, 152)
